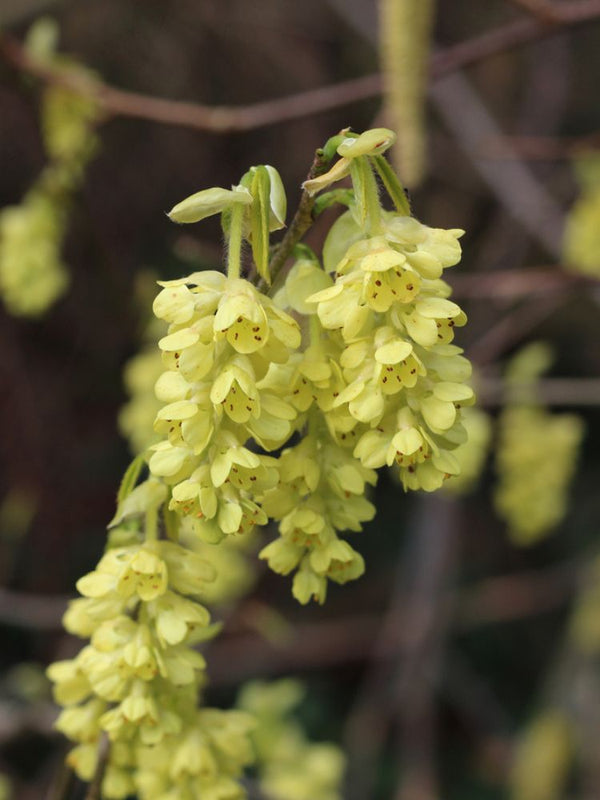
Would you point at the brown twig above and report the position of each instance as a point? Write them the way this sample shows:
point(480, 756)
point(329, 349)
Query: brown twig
point(94, 791)
point(222, 119)
point(341, 641)
point(41, 612)
point(540, 148)
point(301, 222)
point(515, 325)
point(512, 284)
point(396, 689)
point(550, 391)
point(543, 10)
point(61, 786)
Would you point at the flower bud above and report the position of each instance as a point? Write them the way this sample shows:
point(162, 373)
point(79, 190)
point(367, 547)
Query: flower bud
point(208, 202)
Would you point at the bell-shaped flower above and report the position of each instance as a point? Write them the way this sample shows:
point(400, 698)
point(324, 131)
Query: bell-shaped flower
point(202, 289)
point(431, 320)
point(235, 389)
point(71, 685)
point(175, 617)
point(308, 585)
point(304, 279)
point(282, 555)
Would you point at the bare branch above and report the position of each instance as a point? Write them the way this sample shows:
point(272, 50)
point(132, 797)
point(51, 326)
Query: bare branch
point(545, 11)
point(41, 612)
point(222, 119)
point(540, 148)
point(513, 284)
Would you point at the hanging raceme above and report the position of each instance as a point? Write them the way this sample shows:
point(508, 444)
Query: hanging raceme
point(274, 407)
point(32, 271)
point(532, 489)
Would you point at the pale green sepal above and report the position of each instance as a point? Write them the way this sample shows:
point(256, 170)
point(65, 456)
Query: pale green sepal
point(308, 585)
point(96, 584)
point(208, 202)
point(393, 352)
point(277, 200)
point(303, 280)
point(260, 213)
point(407, 441)
point(343, 233)
point(438, 414)
point(453, 392)
point(437, 308)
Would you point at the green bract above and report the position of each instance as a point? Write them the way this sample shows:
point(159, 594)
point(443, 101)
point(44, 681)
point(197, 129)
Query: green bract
point(208, 202)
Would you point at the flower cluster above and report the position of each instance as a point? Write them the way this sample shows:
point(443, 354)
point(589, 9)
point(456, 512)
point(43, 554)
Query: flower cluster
point(378, 381)
point(32, 273)
point(223, 336)
point(403, 379)
point(138, 679)
point(321, 491)
point(136, 417)
point(471, 455)
point(582, 237)
point(531, 494)
point(260, 416)
point(289, 767)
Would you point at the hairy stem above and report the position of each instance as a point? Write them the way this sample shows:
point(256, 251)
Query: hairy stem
point(303, 219)
point(151, 526)
point(234, 251)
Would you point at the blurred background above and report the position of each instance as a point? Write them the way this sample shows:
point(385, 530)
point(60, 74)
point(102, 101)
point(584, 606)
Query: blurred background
point(465, 663)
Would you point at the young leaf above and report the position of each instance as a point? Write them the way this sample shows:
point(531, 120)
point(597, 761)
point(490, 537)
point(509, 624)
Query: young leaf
point(130, 478)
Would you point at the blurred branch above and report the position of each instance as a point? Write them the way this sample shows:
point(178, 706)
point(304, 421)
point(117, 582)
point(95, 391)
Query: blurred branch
point(301, 222)
point(517, 283)
point(524, 197)
point(222, 119)
point(509, 597)
point(546, 12)
point(94, 791)
point(63, 782)
point(515, 325)
point(550, 391)
point(490, 601)
point(429, 613)
point(40, 612)
point(349, 637)
point(540, 148)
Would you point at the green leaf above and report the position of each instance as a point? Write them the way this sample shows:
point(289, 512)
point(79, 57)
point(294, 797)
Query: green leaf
point(329, 149)
point(392, 185)
point(130, 478)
